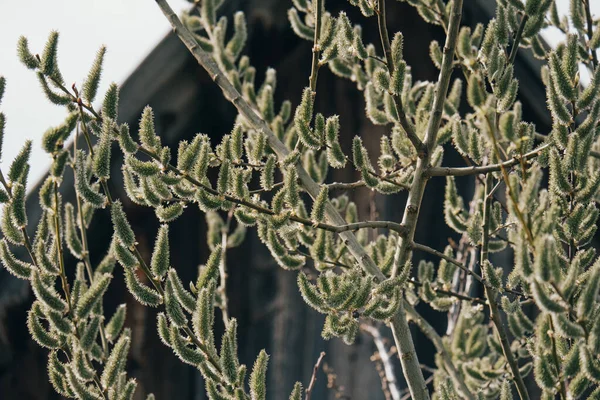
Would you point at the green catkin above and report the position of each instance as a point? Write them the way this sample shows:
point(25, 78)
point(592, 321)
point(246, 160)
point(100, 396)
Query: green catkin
point(38, 332)
point(170, 212)
point(292, 195)
point(48, 61)
point(101, 162)
point(72, 238)
point(172, 306)
point(25, 56)
point(90, 86)
point(160, 256)
point(115, 324)
point(147, 133)
point(185, 299)
point(110, 105)
point(142, 293)
point(20, 162)
point(122, 228)
point(47, 295)
point(127, 144)
point(93, 295)
point(90, 334)
point(142, 168)
point(182, 350)
point(258, 377)
point(17, 205)
point(318, 211)
point(211, 269)
point(116, 360)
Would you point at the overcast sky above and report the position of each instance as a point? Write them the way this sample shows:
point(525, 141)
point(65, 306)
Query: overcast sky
point(129, 29)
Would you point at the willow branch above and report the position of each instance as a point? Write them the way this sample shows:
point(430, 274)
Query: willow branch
point(590, 30)
point(393, 226)
point(476, 170)
point(415, 195)
point(313, 378)
point(435, 338)
point(400, 328)
point(316, 50)
point(491, 295)
point(461, 266)
point(387, 50)
point(518, 36)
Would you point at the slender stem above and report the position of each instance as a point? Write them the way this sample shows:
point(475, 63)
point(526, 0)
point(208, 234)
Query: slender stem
point(387, 50)
point(491, 295)
point(476, 170)
point(516, 42)
point(314, 72)
point(506, 178)
point(437, 341)
point(590, 30)
point(451, 293)
point(86, 253)
point(59, 251)
point(313, 378)
point(460, 265)
point(400, 328)
point(223, 268)
point(394, 226)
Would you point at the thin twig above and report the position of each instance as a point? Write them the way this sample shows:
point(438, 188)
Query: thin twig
point(590, 31)
point(62, 274)
point(394, 226)
point(386, 360)
point(86, 250)
point(557, 362)
point(313, 378)
point(516, 42)
point(491, 295)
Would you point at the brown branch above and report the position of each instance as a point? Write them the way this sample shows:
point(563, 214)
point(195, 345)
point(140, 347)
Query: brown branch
point(476, 170)
point(313, 378)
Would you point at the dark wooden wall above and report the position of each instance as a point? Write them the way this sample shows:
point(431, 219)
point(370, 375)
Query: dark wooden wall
point(263, 297)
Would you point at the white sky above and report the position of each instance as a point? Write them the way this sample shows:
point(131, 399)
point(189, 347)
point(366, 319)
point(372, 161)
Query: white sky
point(130, 29)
